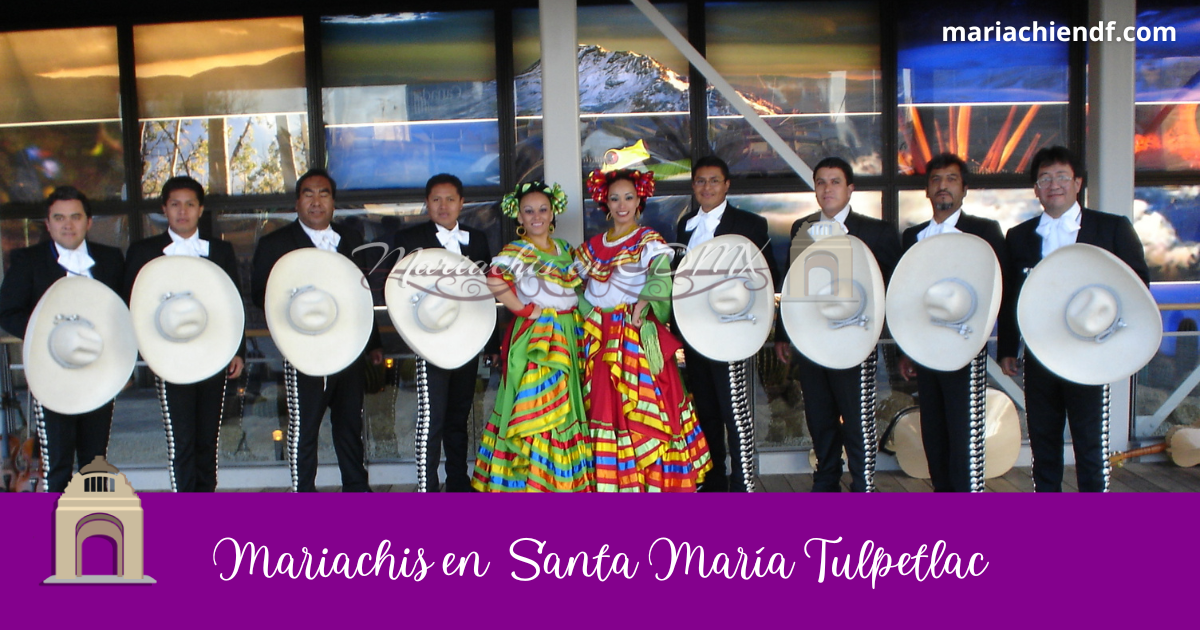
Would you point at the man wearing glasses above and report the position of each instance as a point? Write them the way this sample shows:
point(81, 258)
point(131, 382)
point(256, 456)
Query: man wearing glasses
point(708, 380)
point(1050, 400)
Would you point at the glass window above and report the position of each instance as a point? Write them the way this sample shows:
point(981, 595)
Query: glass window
point(633, 92)
point(992, 102)
point(1008, 206)
point(1167, 219)
point(223, 102)
point(811, 70)
point(410, 95)
point(783, 209)
point(60, 119)
point(527, 56)
point(1168, 89)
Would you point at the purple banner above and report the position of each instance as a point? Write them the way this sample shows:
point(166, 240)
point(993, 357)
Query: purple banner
point(976, 561)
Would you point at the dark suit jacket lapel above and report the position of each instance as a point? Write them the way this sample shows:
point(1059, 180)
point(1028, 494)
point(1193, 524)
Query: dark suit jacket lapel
point(853, 224)
point(49, 257)
point(1089, 230)
point(728, 222)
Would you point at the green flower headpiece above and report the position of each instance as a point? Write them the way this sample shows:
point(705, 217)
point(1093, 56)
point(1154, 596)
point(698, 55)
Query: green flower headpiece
point(510, 205)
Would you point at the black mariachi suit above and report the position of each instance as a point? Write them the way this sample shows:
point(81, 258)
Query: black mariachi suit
point(1049, 399)
point(342, 393)
point(192, 412)
point(830, 394)
point(33, 270)
point(451, 392)
point(945, 397)
point(709, 380)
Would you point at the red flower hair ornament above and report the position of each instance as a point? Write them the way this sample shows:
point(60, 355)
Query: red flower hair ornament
point(598, 183)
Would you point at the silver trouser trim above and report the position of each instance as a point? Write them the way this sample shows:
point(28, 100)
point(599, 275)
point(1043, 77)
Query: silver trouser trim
point(39, 418)
point(421, 432)
point(161, 386)
point(743, 419)
point(978, 418)
point(1105, 416)
point(867, 405)
point(217, 446)
point(293, 405)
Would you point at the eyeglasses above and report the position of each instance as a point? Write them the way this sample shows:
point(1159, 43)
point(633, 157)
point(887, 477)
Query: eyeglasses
point(1062, 180)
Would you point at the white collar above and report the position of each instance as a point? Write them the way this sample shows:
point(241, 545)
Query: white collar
point(1071, 217)
point(840, 217)
point(177, 238)
point(951, 220)
point(190, 246)
point(713, 217)
point(77, 261)
point(319, 237)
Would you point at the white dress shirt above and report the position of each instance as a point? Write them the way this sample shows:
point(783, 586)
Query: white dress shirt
point(325, 239)
point(453, 240)
point(190, 246)
point(1059, 232)
point(76, 261)
point(703, 226)
point(945, 227)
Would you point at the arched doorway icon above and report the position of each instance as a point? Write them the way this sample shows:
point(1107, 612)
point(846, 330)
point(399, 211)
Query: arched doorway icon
point(99, 502)
point(100, 525)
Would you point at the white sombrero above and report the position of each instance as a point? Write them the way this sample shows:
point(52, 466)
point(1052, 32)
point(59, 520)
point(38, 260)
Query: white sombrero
point(188, 317)
point(943, 300)
point(319, 310)
point(1088, 317)
point(1001, 439)
point(80, 348)
point(832, 303)
point(440, 304)
point(724, 298)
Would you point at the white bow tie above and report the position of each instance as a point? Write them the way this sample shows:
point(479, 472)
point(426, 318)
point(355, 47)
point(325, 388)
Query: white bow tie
point(936, 228)
point(695, 221)
point(445, 237)
point(327, 240)
point(192, 246)
point(76, 261)
point(1056, 233)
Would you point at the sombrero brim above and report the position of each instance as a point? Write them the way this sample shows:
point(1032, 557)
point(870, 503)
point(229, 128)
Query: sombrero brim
point(211, 351)
point(1041, 316)
point(336, 348)
point(441, 273)
point(809, 330)
point(965, 257)
point(1002, 439)
point(80, 390)
point(726, 258)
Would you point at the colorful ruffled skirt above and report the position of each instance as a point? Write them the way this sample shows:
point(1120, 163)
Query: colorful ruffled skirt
point(644, 432)
point(536, 439)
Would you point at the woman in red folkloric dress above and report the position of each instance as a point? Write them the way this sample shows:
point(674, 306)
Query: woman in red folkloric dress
point(644, 433)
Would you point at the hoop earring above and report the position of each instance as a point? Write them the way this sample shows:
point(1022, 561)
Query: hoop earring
point(551, 228)
point(521, 231)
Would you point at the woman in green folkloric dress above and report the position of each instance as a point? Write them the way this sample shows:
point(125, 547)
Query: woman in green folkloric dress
point(536, 440)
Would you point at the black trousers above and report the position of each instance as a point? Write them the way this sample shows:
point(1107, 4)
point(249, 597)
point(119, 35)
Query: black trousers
point(70, 439)
point(828, 395)
point(945, 400)
point(1050, 404)
point(342, 393)
point(192, 418)
point(451, 396)
point(709, 383)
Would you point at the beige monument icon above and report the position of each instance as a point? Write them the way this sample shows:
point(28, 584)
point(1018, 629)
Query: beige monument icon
point(99, 501)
